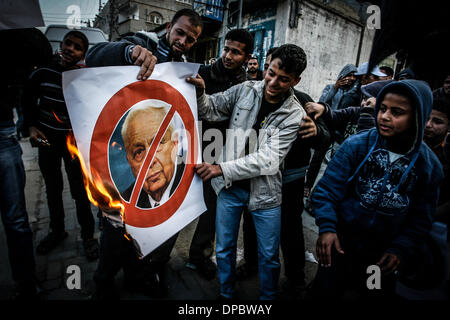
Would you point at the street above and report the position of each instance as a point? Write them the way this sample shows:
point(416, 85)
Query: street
point(52, 269)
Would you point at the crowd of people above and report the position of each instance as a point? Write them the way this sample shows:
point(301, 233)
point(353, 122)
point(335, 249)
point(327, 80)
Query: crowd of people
point(381, 136)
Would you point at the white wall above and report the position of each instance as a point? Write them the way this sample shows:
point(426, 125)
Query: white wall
point(330, 42)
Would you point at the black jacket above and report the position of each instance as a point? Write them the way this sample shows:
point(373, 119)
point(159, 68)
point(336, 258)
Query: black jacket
point(300, 153)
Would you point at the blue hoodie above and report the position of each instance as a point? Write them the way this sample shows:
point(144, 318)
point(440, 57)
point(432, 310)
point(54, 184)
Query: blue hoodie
point(378, 205)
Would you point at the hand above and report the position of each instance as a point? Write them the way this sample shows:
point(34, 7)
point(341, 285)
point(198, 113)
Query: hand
point(144, 58)
point(370, 102)
point(315, 108)
point(208, 171)
point(199, 84)
point(308, 128)
point(37, 138)
point(389, 263)
point(340, 83)
point(324, 245)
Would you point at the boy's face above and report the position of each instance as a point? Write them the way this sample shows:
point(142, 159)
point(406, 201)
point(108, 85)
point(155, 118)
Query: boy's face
point(277, 82)
point(437, 125)
point(233, 55)
point(395, 115)
point(72, 51)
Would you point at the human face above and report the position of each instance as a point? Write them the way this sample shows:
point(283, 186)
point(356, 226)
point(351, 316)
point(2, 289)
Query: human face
point(277, 82)
point(447, 85)
point(395, 116)
point(72, 51)
point(253, 65)
point(368, 79)
point(233, 55)
point(141, 131)
point(182, 35)
point(349, 79)
point(266, 64)
point(436, 127)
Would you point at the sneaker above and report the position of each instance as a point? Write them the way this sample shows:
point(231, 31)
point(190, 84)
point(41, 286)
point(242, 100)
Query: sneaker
point(91, 249)
point(51, 241)
point(245, 271)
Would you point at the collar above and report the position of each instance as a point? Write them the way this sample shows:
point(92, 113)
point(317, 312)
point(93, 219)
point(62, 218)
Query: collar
point(220, 74)
point(166, 194)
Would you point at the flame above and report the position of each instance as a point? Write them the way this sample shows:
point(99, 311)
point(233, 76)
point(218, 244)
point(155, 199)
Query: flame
point(58, 119)
point(101, 194)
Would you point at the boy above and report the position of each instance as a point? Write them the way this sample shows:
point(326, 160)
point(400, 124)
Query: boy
point(48, 121)
point(374, 203)
point(249, 177)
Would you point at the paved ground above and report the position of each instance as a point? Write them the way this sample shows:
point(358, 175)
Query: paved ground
point(183, 283)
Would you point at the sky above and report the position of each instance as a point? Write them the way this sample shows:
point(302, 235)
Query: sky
point(55, 11)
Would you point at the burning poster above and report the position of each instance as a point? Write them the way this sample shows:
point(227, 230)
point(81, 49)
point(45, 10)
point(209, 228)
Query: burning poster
point(138, 142)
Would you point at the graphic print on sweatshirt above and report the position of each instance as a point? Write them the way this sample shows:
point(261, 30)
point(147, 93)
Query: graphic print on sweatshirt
point(378, 183)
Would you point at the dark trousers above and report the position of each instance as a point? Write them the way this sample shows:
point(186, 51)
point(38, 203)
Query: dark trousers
point(202, 245)
point(13, 212)
point(347, 277)
point(117, 252)
point(291, 239)
point(50, 165)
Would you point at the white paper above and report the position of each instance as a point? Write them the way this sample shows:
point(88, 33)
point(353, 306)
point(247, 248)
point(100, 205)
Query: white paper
point(91, 95)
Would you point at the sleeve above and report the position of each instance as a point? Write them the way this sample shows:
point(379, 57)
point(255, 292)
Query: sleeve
point(111, 53)
point(338, 119)
point(327, 94)
point(30, 101)
point(275, 145)
point(333, 186)
point(419, 220)
point(366, 119)
point(219, 106)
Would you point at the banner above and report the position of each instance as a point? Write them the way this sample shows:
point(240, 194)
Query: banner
point(139, 143)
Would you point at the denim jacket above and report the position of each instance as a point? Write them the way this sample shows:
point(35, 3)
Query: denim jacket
point(241, 104)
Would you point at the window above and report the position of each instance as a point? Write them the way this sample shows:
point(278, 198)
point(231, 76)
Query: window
point(154, 17)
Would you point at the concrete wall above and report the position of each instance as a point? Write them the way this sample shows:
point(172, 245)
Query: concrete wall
point(329, 41)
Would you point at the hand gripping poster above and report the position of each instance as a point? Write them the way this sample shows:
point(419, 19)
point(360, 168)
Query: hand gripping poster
point(138, 144)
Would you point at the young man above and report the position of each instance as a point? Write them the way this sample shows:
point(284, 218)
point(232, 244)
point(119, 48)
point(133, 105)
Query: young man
point(436, 132)
point(220, 76)
point(145, 50)
point(311, 135)
point(253, 72)
point(264, 120)
point(48, 121)
point(375, 201)
point(374, 75)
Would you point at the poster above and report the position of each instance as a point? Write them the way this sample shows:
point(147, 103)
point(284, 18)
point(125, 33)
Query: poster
point(139, 143)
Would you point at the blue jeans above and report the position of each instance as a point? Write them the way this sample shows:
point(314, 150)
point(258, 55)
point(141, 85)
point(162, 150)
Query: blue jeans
point(230, 204)
point(13, 210)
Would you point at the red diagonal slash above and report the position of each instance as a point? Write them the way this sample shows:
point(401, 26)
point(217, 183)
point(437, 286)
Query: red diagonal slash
point(149, 157)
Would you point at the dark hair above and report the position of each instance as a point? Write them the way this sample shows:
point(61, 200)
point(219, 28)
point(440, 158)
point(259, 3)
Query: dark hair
point(193, 17)
point(293, 59)
point(270, 51)
point(242, 36)
point(442, 106)
point(387, 70)
point(79, 35)
point(253, 58)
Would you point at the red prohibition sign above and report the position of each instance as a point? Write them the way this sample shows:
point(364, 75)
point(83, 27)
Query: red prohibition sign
point(106, 123)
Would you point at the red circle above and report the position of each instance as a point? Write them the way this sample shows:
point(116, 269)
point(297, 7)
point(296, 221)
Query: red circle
point(106, 123)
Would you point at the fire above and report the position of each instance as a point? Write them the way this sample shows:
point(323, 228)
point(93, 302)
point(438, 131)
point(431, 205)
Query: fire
point(102, 195)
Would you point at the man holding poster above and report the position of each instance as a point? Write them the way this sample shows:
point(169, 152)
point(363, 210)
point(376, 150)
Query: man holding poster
point(144, 275)
point(265, 117)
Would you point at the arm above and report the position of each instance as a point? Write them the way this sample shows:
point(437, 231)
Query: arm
point(268, 157)
point(219, 106)
point(327, 94)
point(129, 51)
point(419, 217)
